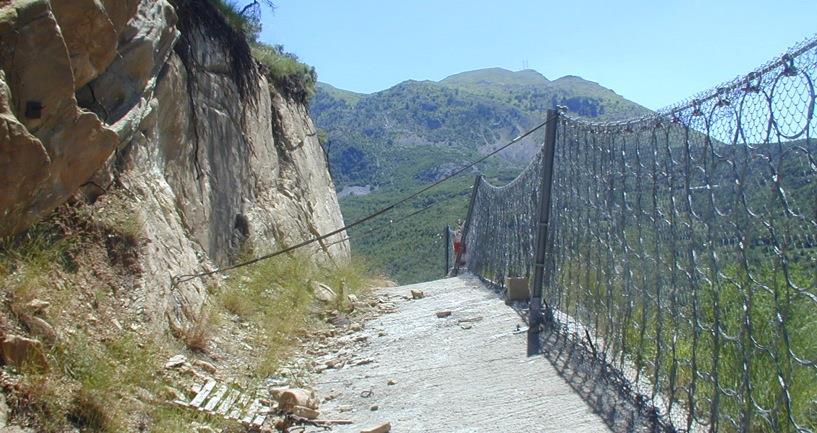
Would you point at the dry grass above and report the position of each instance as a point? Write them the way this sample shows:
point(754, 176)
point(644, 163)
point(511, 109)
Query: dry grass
point(275, 296)
point(85, 387)
point(197, 334)
point(68, 261)
point(96, 370)
point(90, 411)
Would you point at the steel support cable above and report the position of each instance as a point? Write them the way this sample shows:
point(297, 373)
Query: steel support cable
point(392, 223)
point(187, 277)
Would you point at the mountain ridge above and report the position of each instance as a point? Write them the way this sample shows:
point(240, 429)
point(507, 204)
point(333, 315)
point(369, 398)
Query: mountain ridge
point(470, 113)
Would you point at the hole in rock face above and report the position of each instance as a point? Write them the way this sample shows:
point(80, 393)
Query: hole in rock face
point(34, 109)
point(242, 226)
point(241, 233)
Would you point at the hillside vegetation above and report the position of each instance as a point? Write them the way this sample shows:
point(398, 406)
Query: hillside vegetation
point(416, 132)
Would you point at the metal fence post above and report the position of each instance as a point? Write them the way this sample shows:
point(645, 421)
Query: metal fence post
point(446, 243)
point(536, 316)
point(467, 223)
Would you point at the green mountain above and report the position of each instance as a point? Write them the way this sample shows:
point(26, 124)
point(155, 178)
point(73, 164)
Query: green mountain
point(462, 115)
point(532, 93)
point(394, 141)
point(492, 77)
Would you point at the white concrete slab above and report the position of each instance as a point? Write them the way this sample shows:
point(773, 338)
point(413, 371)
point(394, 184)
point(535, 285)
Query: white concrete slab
point(451, 379)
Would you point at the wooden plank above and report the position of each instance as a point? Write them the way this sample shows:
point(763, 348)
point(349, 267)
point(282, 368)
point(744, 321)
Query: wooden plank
point(259, 420)
point(237, 409)
point(202, 395)
point(227, 402)
point(250, 413)
point(215, 399)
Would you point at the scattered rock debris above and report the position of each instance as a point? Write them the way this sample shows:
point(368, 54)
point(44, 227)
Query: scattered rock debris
point(382, 428)
point(443, 314)
point(206, 366)
point(21, 351)
point(175, 361)
point(324, 293)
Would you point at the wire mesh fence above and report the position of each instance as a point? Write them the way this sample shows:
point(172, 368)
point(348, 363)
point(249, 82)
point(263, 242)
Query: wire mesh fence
point(501, 235)
point(683, 246)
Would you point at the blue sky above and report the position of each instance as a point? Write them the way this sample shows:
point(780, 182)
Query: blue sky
point(652, 52)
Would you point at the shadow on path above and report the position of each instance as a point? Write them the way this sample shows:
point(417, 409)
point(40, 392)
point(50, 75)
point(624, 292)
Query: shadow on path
point(606, 395)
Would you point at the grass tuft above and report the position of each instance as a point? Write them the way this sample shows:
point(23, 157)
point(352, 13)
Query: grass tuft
point(90, 411)
point(197, 335)
point(276, 298)
point(283, 69)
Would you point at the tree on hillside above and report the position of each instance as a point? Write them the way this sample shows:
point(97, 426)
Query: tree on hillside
point(253, 8)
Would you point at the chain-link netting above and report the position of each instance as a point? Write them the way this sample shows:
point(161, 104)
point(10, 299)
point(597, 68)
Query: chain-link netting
point(500, 235)
point(683, 248)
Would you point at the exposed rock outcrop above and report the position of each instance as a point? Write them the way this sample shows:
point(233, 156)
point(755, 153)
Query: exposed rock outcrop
point(137, 94)
point(40, 80)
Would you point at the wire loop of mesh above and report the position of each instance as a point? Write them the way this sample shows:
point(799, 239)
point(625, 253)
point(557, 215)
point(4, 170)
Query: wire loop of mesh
point(684, 246)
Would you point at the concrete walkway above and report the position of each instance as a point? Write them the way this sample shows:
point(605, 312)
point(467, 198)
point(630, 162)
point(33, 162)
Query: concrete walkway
point(464, 373)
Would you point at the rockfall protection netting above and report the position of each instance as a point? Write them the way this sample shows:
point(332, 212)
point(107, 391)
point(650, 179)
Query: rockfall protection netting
point(501, 233)
point(683, 246)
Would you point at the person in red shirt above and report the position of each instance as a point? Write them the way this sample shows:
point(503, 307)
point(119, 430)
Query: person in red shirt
point(459, 248)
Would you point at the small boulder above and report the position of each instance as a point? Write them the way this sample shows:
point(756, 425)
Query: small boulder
point(172, 394)
point(324, 293)
point(206, 366)
point(417, 294)
point(21, 351)
point(305, 412)
point(41, 328)
point(382, 428)
point(340, 319)
point(276, 391)
point(443, 314)
point(36, 306)
point(203, 428)
point(290, 398)
point(175, 361)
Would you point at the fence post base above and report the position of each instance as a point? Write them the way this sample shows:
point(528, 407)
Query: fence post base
point(535, 326)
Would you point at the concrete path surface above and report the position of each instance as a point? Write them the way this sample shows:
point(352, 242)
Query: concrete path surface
point(464, 373)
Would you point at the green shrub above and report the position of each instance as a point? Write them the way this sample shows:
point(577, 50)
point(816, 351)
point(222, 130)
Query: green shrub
point(295, 79)
point(248, 22)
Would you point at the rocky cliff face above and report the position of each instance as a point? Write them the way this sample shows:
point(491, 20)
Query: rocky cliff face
point(155, 99)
